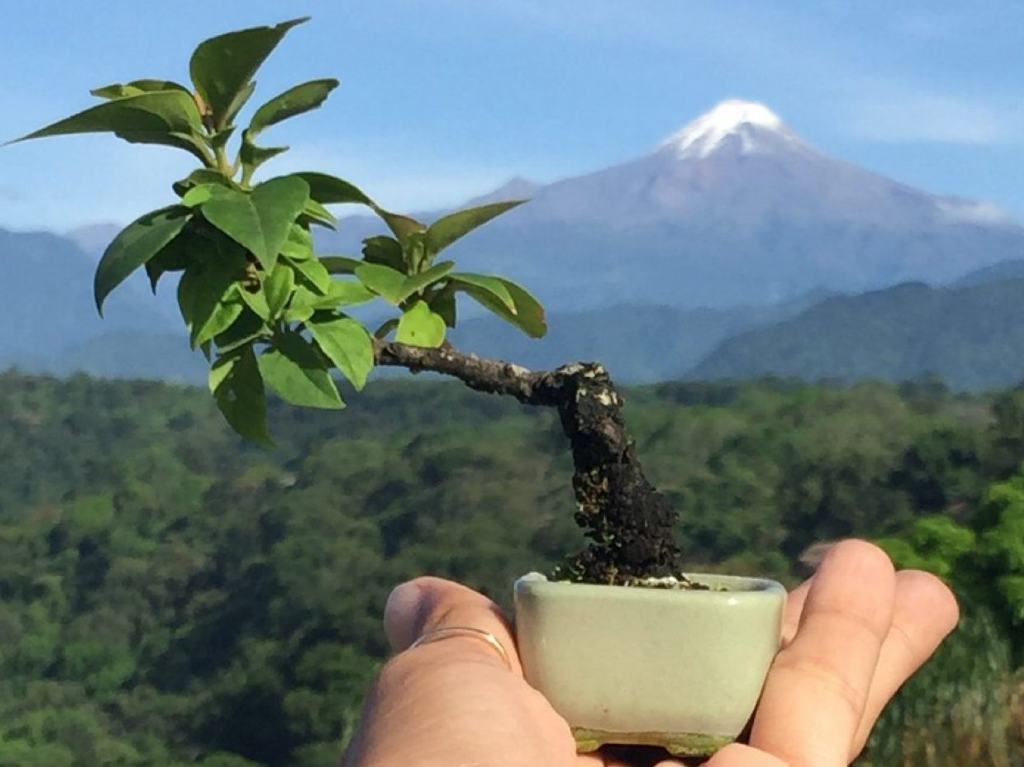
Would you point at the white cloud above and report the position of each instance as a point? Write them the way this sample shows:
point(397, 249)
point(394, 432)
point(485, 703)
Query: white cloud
point(975, 212)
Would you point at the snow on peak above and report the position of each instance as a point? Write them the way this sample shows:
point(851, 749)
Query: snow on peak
point(734, 117)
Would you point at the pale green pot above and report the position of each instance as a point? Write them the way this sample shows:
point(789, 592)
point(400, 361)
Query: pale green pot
point(682, 669)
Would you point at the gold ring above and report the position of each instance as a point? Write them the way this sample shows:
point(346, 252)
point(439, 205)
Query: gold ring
point(465, 631)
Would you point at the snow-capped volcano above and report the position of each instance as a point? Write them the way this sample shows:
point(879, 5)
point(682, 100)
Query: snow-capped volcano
point(749, 126)
point(733, 208)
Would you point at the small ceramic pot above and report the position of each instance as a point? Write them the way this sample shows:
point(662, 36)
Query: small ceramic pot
point(677, 668)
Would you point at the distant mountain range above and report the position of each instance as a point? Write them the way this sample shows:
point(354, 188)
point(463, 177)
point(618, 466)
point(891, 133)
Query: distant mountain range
point(733, 249)
point(733, 209)
point(50, 318)
point(637, 343)
point(972, 337)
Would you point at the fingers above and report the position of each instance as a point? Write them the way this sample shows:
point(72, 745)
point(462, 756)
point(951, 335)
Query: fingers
point(794, 609)
point(425, 605)
point(737, 755)
point(925, 613)
point(817, 689)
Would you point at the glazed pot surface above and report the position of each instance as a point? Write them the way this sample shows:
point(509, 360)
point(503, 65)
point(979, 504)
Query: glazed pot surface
point(672, 667)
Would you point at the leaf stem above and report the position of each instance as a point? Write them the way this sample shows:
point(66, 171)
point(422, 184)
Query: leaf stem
point(223, 164)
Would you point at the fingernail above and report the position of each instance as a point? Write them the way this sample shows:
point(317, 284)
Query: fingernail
point(401, 615)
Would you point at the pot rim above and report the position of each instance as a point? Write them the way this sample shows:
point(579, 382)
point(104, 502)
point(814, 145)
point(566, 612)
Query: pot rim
point(734, 588)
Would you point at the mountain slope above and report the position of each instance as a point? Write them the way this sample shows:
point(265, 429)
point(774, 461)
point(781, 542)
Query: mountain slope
point(1004, 270)
point(733, 209)
point(972, 337)
point(638, 344)
point(50, 314)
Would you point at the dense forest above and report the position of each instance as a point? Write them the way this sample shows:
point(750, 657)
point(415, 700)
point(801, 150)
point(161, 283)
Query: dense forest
point(171, 596)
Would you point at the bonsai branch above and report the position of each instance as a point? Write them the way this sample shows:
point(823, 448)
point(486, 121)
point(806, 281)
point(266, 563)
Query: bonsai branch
point(629, 523)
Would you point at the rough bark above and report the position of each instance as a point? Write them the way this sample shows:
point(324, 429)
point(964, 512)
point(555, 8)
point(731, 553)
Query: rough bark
point(629, 524)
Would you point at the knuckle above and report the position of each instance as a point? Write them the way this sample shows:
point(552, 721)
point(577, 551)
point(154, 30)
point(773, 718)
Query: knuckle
point(826, 675)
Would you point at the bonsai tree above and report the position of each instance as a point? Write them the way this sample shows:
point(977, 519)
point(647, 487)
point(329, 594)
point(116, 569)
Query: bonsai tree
point(270, 313)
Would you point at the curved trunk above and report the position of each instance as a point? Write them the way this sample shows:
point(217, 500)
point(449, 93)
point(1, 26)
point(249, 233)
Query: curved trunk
point(629, 524)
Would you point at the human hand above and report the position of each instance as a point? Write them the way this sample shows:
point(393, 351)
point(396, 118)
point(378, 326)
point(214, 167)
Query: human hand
point(852, 635)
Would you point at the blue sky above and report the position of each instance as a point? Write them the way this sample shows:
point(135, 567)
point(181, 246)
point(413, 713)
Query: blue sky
point(445, 99)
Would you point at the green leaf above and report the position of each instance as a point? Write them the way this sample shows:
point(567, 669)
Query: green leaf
point(259, 221)
point(238, 390)
point(223, 66)
point(187, 248)
point(222, 316)
point(163, 262)
point(294, 101)
point(302, 305)
point(384, 250)
point(201, 194)
point(339, 293)
point(448, 229)
point(219, 140)
point(528, 315)
point(443, 304)
point(219, 372)
point(492, 285)
point(386, 282)
point(135, 87)
point(201, 176)
point(330, 190)
point(238, 102)
point(312, 272)
point(346, 343)
point(209, 297)
point(529, 312)
point(256, 300)
point(403, 227)
point(253, 156)
point(162, 111)
point(162, 117)
point(340, 264)
point(417, 282)
point(298, 373)
point(298, 246)
point(419, 326)
point(277, 287)
point(393, 285)
point(136, 244)
point(344, 293)
point(415, 251)
point(248, 327)
point(320, 214)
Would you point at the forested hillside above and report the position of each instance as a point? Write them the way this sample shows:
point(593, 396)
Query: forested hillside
point(971, 336)
point(170, 596)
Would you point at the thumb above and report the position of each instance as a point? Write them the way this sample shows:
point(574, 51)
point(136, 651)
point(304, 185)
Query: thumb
point(426, 605)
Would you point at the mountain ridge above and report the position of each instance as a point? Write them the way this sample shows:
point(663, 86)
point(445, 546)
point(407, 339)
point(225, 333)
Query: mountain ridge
point(971, 336)
point(724, 228)
point(747, 212)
